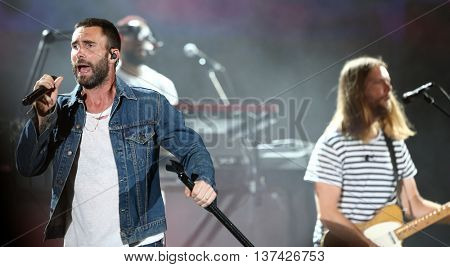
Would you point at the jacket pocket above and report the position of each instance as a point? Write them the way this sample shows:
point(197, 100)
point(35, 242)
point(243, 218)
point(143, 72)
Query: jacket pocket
point(139, 155)
point(139, 136)
point(139, 142)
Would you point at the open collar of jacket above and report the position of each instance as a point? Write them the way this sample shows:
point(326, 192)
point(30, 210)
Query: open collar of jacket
point(122, 90)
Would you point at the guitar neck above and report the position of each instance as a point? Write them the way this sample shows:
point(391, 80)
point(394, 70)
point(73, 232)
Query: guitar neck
point(418, 224)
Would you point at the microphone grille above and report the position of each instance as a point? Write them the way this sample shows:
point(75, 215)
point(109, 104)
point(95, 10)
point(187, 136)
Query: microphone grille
point(190, 50)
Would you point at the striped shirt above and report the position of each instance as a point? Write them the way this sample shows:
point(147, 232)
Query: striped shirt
point(363, 171)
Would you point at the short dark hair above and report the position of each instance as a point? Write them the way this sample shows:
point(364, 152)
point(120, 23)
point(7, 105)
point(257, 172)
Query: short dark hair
point(108, 29)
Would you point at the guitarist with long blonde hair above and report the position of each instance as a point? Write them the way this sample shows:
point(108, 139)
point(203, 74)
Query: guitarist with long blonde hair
point(355, 172)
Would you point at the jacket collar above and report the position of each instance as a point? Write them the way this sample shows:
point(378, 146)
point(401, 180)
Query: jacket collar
point(122, 90)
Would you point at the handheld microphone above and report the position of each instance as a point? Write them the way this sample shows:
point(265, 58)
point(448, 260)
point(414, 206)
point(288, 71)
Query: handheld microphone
point(419, 90)
point(191, 50)
point(36, 94)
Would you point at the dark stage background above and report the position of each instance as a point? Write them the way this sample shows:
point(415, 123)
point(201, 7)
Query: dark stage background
point(267, 47)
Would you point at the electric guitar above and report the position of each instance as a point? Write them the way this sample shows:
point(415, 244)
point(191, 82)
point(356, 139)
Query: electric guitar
point(386, 229)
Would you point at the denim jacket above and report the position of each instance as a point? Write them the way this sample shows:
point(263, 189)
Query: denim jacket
point(141, 120)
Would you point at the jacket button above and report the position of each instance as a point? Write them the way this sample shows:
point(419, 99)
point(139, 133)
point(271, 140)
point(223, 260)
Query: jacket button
point(77, 126)
point(69, 153)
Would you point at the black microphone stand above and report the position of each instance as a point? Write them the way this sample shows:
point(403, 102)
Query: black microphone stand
point(178, 169)
point(429, 99)
point(48, 37)
point(214, 67)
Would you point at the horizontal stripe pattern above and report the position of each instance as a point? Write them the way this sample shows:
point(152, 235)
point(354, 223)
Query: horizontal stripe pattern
point(363, 171)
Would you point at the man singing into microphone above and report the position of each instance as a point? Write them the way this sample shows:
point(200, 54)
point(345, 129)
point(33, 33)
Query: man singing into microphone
point(352, 166)
point(103, 141)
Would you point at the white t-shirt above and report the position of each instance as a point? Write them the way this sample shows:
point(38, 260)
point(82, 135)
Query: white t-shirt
point(150, 78)
point(95, 205)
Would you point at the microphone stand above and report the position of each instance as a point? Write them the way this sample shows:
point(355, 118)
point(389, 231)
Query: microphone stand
point(178, 169)
point(212, 68)
point(47, 37)
point(213, 77)
point(429, 99)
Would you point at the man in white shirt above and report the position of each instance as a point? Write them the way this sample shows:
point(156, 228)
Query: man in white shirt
point(102, 141)
point(138, 43)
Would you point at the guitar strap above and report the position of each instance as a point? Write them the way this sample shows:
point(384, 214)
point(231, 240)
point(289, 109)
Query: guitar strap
point(396, 176)
point(393, 158)
point(395, 167)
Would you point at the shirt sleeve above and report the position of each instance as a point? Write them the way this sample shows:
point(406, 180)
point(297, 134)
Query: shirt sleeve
point(33, 147)
point(324, 165)
point(406, 167)
point(184, 143)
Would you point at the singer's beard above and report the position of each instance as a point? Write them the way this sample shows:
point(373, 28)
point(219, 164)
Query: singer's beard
point(99, 73)
point(381, 109)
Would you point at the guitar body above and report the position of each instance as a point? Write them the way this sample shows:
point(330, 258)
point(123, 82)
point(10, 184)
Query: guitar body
point(383, 234)
point(380, 229)
point(386, 228)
